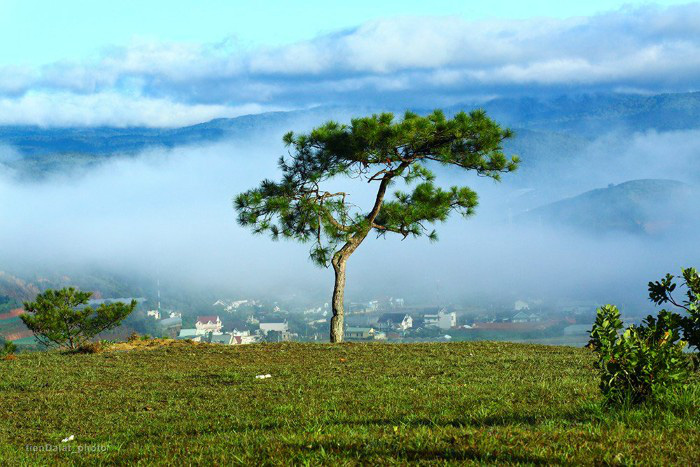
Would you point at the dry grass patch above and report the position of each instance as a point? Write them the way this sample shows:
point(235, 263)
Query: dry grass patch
point(152, 344)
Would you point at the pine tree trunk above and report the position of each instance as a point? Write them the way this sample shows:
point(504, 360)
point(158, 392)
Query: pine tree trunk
point(337, 328)
point(341, 257)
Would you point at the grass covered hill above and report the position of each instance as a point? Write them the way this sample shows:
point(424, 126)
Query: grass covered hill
point(168, 402)
point(645, 207)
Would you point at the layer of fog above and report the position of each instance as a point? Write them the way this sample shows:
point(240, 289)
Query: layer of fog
point(169, 214)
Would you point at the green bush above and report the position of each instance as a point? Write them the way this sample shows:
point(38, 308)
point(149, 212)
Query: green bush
point(641, 363)
point(7, 348)
point(661, 292)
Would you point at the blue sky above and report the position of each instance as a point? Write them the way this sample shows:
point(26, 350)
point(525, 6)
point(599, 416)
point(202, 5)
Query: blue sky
point(170, 63)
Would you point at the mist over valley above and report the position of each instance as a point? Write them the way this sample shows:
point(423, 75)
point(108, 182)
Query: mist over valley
point(589, 218)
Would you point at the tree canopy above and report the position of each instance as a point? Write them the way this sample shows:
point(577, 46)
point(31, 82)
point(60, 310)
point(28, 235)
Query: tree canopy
point(62, 317)
point(378, 149)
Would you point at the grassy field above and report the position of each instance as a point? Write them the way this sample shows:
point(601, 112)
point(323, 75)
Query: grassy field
point(184, 403)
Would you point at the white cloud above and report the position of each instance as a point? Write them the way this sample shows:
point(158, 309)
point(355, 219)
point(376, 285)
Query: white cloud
point(16, 79)
point(112, 109)
point(648, 37)
point(405, 57)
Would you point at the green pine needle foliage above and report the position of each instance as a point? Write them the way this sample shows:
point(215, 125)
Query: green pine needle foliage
point(382, 150)
point(62, 318)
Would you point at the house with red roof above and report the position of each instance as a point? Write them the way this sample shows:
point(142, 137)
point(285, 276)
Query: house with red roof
point(207, 324)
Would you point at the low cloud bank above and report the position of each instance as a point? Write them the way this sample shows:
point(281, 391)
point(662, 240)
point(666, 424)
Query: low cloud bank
point(169, 214)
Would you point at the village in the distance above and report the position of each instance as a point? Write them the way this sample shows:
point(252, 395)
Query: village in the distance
point(247, 321)
point(223, 317)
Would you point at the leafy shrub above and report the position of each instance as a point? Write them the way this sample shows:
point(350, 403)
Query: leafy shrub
point(661, 292)
point(8, 348)
point(606, 327)
point(642, 362)
point(63, 318)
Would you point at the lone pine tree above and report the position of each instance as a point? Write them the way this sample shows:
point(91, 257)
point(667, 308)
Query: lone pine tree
point(380, 150)
point(62, 317)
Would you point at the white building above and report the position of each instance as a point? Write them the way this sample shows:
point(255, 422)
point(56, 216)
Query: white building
point(442, 319)
point(318, 321)
point(524, 317)
point(395, 321)
point(206, 324)
point(317, 310)
point(244, 337)
point(278, 326)
point(231, 306)
point(154, 314)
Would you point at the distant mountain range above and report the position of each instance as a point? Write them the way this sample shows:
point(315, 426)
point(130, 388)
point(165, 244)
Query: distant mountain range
point(564, 122)
point(33, 141)
point(645, 207)
point(549, 131)
point(593, 114)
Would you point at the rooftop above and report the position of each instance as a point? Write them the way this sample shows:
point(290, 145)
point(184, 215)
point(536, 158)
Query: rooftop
point(220, 339)
point(207, 319)
point(392, 317)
